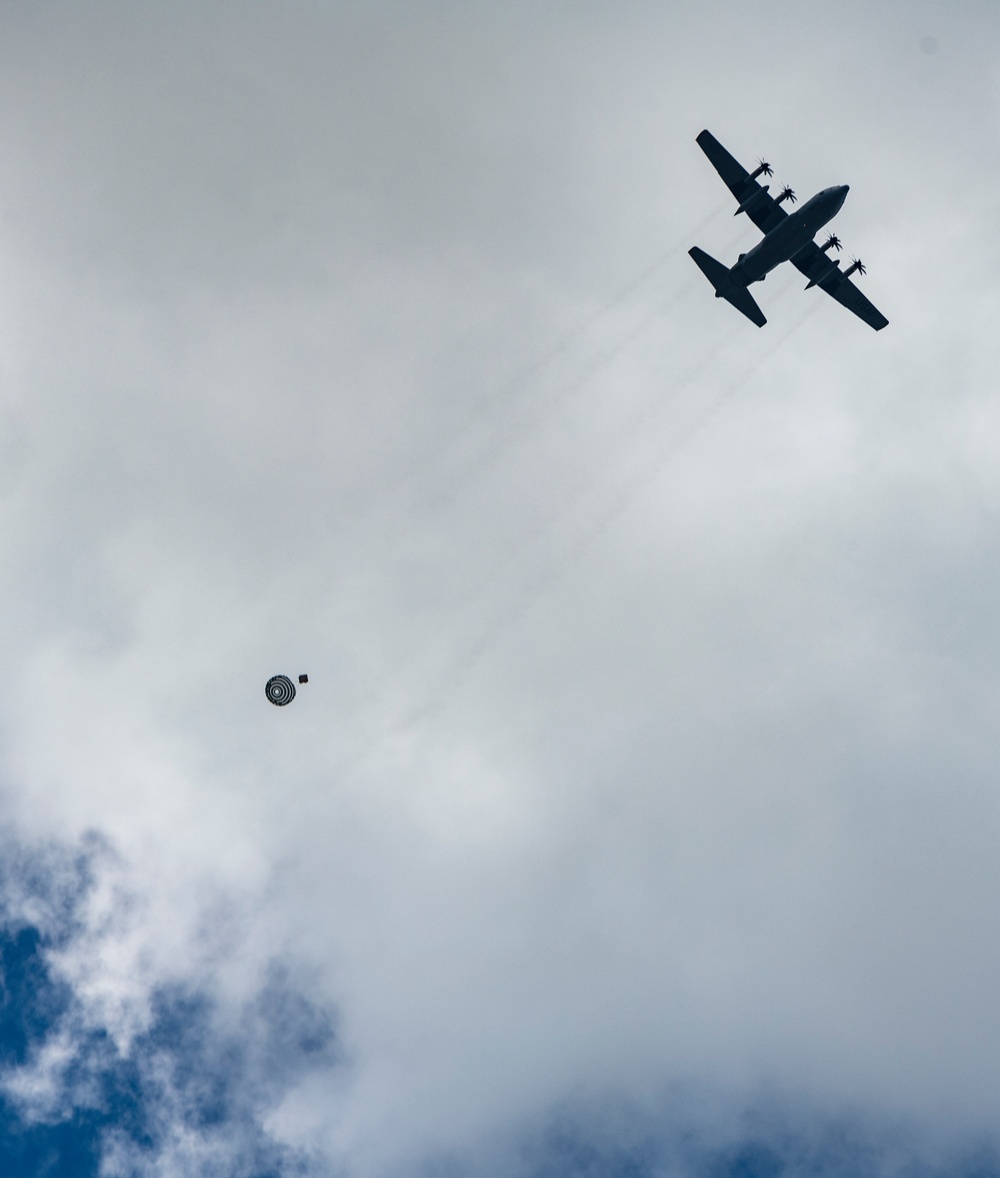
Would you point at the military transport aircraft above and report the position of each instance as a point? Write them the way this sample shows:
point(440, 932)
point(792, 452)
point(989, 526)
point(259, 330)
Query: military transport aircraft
point(787, 238)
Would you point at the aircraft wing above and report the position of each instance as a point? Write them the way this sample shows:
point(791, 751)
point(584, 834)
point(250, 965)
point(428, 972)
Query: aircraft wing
point(763, 209)
point(825, 273)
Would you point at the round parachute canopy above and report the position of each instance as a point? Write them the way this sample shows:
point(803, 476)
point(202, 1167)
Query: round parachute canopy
point(280, 690)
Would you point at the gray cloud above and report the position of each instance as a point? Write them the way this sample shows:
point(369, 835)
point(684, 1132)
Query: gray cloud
point(188, 1092)
point(652, 697)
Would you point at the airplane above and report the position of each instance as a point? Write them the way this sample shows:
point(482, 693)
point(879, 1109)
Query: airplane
point(788, 237)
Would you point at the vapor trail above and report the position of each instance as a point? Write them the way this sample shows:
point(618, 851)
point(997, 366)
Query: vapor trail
point(409, 472)
point(511, 552)
point(627, 493)
point(498, 443)
point(565, 342)
point(655, 408)
point(548, 578)
point(460, 666)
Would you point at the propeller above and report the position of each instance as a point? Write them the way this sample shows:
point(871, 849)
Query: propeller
point(762, 167)
point(832, 242)
point(787, 194)
point(856, 264)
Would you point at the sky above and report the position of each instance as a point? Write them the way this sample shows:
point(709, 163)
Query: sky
point(639, 816)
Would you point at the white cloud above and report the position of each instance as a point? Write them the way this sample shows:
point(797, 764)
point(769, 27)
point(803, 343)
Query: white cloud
point(652, 698)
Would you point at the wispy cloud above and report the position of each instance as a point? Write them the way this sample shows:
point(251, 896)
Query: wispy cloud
point(192, 1092)
point(649, 744)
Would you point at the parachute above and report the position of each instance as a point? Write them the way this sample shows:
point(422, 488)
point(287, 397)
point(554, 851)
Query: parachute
point(280, 690)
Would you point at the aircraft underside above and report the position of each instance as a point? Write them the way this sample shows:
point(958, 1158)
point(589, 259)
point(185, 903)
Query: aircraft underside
point(787, 238)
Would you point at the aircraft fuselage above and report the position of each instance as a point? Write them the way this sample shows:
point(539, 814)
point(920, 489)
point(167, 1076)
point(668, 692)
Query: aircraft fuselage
point(794, 233)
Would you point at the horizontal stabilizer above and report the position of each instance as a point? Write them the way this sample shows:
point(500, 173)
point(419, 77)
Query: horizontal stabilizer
point(726, 287)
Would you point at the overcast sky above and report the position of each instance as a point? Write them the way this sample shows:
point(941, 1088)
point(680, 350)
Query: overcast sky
point(640, 815)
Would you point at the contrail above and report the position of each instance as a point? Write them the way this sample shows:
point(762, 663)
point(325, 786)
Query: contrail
point(380, 540)
point(622, 500)
point(656, 407)
point(461, 666)
point(512, 551)
point(430, 455)
point(500, 443)
point(563, 344)
point(497, 443)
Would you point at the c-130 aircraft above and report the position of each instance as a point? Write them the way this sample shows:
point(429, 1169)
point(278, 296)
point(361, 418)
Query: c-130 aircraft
point(787, 238)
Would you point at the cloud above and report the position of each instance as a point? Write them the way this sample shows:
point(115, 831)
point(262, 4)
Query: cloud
point(648, 744)
point(191, 1091)
point(767, 1139)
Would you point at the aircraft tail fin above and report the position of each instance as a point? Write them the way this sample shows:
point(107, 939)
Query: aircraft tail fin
point(726, 287)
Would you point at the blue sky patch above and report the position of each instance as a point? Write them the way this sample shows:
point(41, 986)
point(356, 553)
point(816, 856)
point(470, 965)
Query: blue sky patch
point(189, 1072)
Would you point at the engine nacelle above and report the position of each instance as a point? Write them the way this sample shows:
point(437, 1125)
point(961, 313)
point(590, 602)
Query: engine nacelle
point(751, 199)
point(832, 270)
